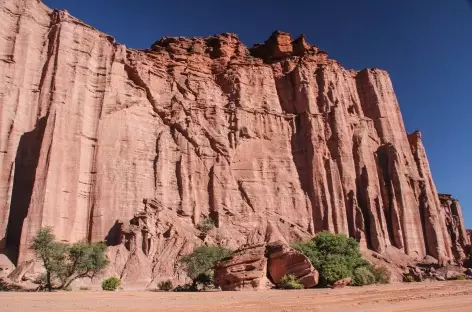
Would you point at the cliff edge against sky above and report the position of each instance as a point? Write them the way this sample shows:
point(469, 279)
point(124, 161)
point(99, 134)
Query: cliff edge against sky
point(104, 142)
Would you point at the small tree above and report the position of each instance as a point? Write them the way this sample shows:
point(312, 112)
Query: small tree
point(66, 263)
point(83, 260)
point(200, 262)
point(50, 252)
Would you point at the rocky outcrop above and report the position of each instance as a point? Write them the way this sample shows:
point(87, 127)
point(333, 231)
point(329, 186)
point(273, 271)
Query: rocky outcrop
point(342, 283)
point(6, 267)
point(246, 269)
point(283, 260)
point(278, 134)
point(20, 271)
point(458, 234)
point(259, 266)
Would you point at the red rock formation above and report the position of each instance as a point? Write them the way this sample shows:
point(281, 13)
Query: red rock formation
point(246, 269)
point(458, 235)
point(283, 260)
point(277, 134)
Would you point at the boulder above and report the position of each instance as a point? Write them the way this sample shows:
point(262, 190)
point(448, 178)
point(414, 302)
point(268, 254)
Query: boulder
point(342, 283)
point(453, 275)
point(468, 272)
point(20, 271)
point(246, 269)
point(439, 277)
point(284, 260)
point(416, 273)
point(6, 266)
point(7, 284)
point(429, 261)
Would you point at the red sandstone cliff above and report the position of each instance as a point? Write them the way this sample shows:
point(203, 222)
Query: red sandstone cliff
point(277, 135)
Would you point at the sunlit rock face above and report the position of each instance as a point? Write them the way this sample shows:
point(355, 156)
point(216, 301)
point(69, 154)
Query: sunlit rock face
point(137, 147)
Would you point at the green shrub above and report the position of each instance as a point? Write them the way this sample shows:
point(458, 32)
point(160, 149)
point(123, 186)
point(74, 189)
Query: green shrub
point(206, 225)
point(289, 282)
point(363, 276)
point(461, 278)
point(335, 256)
point(111, 283)
point(84, 288)
point(408, 279)
point(165, 285)
point(382, 274)
point(65, 263)
point(334, 270)
point(199, 264)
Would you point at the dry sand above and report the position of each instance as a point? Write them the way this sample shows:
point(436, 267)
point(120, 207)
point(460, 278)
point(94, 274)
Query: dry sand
point(430, 297)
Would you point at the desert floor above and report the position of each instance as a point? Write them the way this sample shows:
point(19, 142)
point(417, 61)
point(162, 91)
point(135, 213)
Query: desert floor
point(430, 297)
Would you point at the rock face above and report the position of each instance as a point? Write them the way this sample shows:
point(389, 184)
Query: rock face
point(6, 267)
point(245, 270)
point(458, 234)
point(206, 128)
point(255, 267)
point(284, 260)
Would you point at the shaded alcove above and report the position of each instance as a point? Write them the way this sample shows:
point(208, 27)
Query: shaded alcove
point(26, 163)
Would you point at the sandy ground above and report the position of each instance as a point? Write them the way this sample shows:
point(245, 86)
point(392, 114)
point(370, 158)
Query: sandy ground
point(430, 297)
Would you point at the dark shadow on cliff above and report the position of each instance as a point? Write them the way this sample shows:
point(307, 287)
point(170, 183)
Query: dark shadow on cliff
point(113, 237)
point(26, 162)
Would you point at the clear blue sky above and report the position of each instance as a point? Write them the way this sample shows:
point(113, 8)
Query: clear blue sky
point(426, 45)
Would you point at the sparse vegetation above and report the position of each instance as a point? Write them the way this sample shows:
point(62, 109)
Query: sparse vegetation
point(84, 288)
point(408, 279)
point(111, 283)
point(335, 256)
point(363, 276)
point(206, 225)
point(290, 282)
point(165, 285)
point(65, 263)
point(185, 288)
point(200, 262)
point(382, 274)
point(461, 278)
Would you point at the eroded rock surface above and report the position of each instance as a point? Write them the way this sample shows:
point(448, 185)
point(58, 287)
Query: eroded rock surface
point(283, 260)
point(277, 134)
point(246, 269)
point(458, 234)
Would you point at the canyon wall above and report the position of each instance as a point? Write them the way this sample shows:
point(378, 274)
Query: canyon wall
point(136, 148)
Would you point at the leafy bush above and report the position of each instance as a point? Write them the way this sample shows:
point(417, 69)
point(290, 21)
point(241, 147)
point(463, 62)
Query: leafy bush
point(200, 262)
point(66, 263)
point(382, 274)
point(290, 282)
point(334, 270)
point(363, 276)
point(206, 225)
point(111, 283)
point(84, 288)
point(408, 279)
point(461, 278)
point(335, 256)
point(165, 285)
